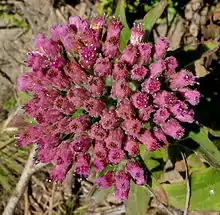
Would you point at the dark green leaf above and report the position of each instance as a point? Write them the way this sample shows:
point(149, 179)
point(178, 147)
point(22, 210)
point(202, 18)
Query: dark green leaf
point(125, 33)
point(205, 191)
point(187, 55)
point(152, 16)
point(207, 148)
point(138, 200)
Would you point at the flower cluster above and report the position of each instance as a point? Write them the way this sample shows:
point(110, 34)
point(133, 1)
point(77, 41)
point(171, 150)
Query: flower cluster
point(88, 94)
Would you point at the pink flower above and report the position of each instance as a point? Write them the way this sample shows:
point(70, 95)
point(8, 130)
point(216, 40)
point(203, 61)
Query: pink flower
point(160, 136)
point(116, 155)
point(145, 113)
point(63, 154)
point(109, 119)
point(105, 181)
point(25, 82)
point(100, 151)
point(161, 116)
point(95, 86)
point(82, 164)
point(114, 28)
point(120, 71)
point(151, 85)
point(81, 144)
point(59, 173)
point(148, 140)
point(122, 185)
point(164, 98)
point(182, 79)
point(125, 109)
point(88, 57)
point(130, 55)
point(182, 112)
point(136, 172)
point(137, 34)
point(78, 125)
point(78, 24)
point(157, 68)
point(76, 73)
point(140, 100)
point(173, 128)
point(99, 165)
point(145, 50)
point(160, 48)
point(138, 72)
point(191, 96)
point(114, 139)
point(97, 132)
point(47, 46)
point(103, 67)
point(171, 65)
point(78, 96)
point(58, 32)
point(132, 126)
point(111, 47)
point(120, 89)
point(94, 107)
point(132, 146)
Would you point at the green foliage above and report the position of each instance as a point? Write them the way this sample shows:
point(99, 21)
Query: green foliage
point(152, 16)
point(205, 191)
point(12, 19)
point(10, 104)
point(206, 147)
point(125, 33)
point(138, 200)
point(77, 113)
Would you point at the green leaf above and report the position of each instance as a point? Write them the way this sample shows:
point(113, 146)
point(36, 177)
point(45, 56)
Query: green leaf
point(152, 16)
point(100, 195)
point(138, 200)
point(188, 54)
point(125, 33)
point(77, 113)
point(207, 148)
point(205, 191)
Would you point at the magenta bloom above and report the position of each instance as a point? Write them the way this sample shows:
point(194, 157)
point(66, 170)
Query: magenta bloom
point(121, 89)
point(105, 181)
point(173, 128)
point(94, 104)
point(116, 155)
point(181, 79)
point(114, 139)
point(136, 172)
point(138, 72)
point(145, 50)
point(109, 119)
point(122, 185)
point(132, 146)
point(148, 140)
point(160, 48)
point(140, 100)
point(81, 144)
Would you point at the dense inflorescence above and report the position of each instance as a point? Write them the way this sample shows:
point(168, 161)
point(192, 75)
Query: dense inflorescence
point(89, 98)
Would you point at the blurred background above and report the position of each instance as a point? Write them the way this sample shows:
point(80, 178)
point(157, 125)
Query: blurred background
point(183, 22)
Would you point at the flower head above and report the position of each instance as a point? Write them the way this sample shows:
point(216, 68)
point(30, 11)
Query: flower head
point(87, 93)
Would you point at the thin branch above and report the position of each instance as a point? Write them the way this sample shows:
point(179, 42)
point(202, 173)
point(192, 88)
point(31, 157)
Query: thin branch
point(158, 201)
point(29, 170)
point(188, 191)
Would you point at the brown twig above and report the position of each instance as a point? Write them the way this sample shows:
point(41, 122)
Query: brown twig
point(188, 191)
point(158, 201)
point(29, 170)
